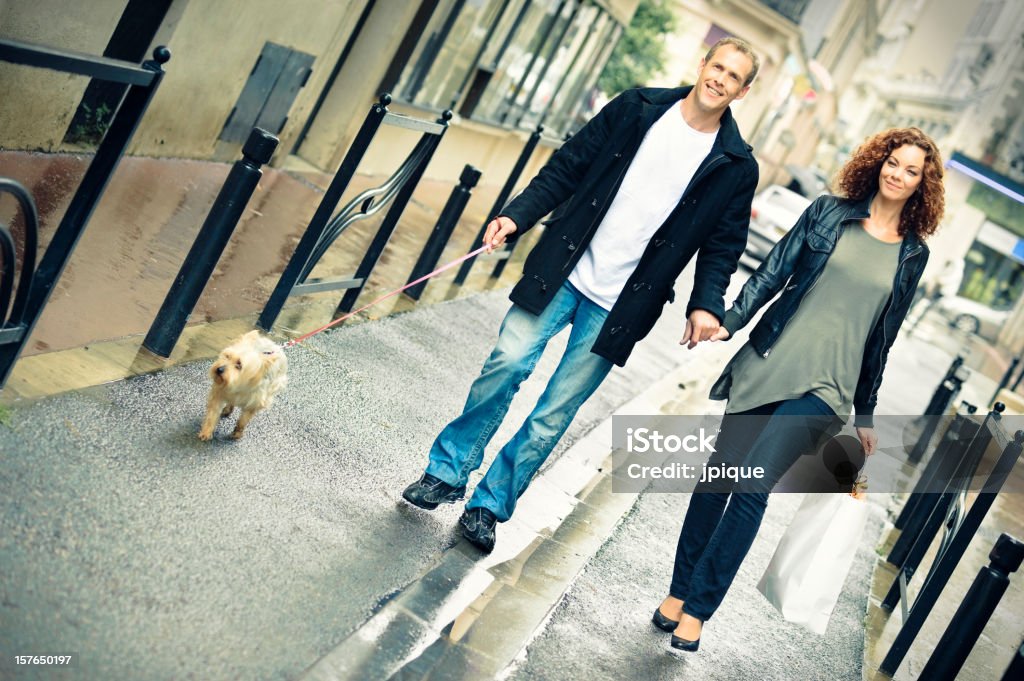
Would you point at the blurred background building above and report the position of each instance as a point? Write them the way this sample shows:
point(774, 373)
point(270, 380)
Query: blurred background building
point(834, 72)
point(837, 71)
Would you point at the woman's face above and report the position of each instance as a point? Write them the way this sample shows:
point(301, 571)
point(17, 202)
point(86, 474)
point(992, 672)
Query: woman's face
point(901, 172)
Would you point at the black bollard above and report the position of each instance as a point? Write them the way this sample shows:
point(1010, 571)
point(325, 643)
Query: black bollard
point(1015, 670)
point(941, 464)
point(501, 200)
point(446, 222)
point(1005, 380)
point(937, 406)
point(974, 611)
point(210, 243)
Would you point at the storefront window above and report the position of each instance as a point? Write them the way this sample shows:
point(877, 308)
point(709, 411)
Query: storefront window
point(582, 77)
point(513, 63)
point(523, 59)
point(555, 79)
point(445, 55)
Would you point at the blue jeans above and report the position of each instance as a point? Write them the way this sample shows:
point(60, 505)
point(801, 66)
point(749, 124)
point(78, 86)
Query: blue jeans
point(723, 517)
point(459, 449)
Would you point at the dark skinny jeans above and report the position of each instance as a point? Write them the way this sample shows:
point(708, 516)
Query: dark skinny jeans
point(724, 516)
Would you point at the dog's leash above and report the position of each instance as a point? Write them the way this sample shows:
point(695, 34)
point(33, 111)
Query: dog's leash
point(439, 270)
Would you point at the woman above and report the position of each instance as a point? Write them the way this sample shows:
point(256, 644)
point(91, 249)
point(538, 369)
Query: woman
point(849, 268)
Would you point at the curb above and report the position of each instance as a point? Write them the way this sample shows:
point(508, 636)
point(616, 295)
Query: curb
point(472, 616)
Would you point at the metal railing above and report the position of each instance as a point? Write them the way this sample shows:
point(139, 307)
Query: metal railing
point(442, 232)
point(962, 456)
point(499, 203)
point(35, 288)
point(325, 227)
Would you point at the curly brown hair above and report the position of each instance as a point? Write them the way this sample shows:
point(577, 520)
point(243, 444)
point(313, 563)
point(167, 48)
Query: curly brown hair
point(858, 179)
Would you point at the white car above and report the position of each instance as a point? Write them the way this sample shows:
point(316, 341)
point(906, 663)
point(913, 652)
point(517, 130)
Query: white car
point(972, 317)
point(773, 212)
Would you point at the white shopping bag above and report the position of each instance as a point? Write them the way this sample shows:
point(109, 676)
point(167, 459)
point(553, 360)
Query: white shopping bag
point(806, 575)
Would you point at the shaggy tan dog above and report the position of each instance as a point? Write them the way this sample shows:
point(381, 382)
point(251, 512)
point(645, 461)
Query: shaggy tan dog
point(247, 374)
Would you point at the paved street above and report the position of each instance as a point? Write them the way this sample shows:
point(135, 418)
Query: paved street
point(154, 555)
point(289, 554)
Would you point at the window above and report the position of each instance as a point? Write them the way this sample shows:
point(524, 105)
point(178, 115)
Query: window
point(582, 77)
point(715, 33)
point(554, 79)
point(457, 30)
point(513, 63)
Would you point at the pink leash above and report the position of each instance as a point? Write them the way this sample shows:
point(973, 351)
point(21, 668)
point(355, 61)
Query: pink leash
point(439, 270)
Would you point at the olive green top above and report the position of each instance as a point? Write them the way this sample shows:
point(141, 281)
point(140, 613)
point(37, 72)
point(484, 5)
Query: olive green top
point(821, 349)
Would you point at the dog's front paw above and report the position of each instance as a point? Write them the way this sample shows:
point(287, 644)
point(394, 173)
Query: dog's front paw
point(237, 434)
point(205, 435)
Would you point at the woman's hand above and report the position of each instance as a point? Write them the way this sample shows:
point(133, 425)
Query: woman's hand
point(721, 334)
point(700, 326)
point(868, 440)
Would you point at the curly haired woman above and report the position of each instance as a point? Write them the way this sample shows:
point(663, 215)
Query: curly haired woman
point(847, 272)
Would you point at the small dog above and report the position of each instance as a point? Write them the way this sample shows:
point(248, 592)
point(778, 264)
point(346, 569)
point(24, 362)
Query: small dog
point(247, 374)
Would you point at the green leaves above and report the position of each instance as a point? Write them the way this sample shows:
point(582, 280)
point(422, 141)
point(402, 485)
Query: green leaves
point(640, 53)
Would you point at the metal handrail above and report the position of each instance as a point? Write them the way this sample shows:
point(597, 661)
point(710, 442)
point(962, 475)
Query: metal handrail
point(28, 265)
point(345, 218)
point(69, 61)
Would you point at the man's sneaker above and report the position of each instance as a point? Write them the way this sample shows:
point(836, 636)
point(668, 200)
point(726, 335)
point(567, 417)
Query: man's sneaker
point(428, 492)
point(478, 528)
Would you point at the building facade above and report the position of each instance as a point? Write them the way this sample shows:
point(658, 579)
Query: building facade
point(308, 70)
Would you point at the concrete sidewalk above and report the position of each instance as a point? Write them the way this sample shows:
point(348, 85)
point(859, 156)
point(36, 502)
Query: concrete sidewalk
point(289, 554)
point(154, 555)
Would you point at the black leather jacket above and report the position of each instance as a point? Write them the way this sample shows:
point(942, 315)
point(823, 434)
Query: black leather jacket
point(795, 265)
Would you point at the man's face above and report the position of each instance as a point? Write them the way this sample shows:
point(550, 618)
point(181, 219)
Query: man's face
point(720, 79)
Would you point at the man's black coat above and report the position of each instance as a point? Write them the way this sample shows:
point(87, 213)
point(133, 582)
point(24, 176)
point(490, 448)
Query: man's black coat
point(712, 216)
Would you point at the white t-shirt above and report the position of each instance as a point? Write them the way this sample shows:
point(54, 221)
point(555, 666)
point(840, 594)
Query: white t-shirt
point(667, 160)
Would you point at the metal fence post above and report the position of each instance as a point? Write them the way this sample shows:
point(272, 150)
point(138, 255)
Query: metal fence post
point(941, 464)
point(209, 244)
point(308, 242)
point(947, 562)
point(1005, 380)
point(143, 81)
point(911, 547)
point(438, 238)
point(943, 396)
point(387, 227)
point(974, 611)
point(1015, 670)
point(502, 199)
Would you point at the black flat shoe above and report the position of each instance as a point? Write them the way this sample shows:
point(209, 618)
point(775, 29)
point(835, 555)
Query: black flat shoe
point(683, 644)
point(662, 622)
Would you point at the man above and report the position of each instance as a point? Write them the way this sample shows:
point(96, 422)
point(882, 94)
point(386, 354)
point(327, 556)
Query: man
point(656, 176)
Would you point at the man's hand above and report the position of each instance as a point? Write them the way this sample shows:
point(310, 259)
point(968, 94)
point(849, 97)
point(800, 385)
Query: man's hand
point(721, 334)
point(699, 327)
point(497, 230)
point(868, 440)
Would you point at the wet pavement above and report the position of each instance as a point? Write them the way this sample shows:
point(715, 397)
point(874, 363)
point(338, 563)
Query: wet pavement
point(149, 216)
point(289, 554)
point(91, 330)
point(154, 555)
